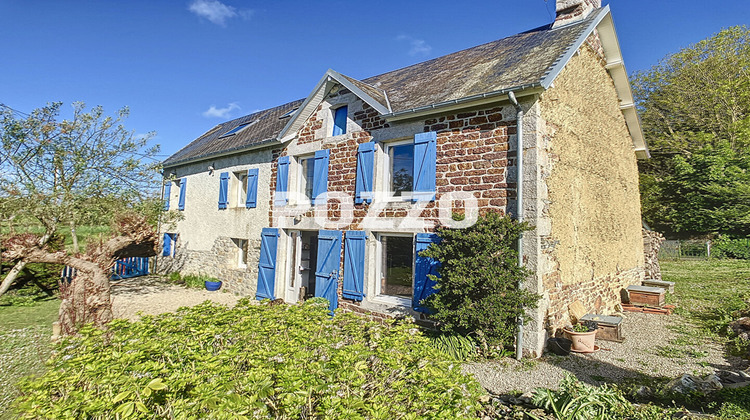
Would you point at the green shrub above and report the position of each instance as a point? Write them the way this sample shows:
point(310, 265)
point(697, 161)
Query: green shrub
point(252, 361)
point(197, 280)
point(724, 247)
point(456, 347)
point(575, 400)
point(478, 283)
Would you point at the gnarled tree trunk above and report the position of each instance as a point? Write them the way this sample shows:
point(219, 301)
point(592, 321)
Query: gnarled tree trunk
point(87, 298)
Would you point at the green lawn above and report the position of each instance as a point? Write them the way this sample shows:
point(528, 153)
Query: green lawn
point(708, 292)
point(709, 295)
point(24, 346)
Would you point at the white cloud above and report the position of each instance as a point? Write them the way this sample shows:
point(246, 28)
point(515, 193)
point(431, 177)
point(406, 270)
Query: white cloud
point(418, 46)
point(214, 112)
point(217, 12)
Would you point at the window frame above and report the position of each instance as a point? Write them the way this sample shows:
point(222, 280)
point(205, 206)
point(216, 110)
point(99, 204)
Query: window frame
point(334, 111)
point(242, 250)
point(380, 273)
point(239, 188)
point(172, 244)
point(386, 169)
point(300, 189)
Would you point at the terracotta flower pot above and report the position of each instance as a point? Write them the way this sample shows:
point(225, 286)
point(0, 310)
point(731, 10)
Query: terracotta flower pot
point(583, 342)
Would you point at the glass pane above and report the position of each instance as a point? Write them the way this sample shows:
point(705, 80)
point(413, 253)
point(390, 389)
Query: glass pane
point(402, 168)
point(398, 259)
point(308, 171)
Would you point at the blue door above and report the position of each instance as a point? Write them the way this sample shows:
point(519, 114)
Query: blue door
point(327, 268)
point(269, 239)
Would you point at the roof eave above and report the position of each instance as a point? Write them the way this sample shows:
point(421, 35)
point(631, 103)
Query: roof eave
point(319, 93)
point(261, 145)
point(466, 102)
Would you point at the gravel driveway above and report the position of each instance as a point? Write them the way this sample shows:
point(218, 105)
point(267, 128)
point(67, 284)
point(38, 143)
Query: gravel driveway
point(652, 349)
point(152, 295)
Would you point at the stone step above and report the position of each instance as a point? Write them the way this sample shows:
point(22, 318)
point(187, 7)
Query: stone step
point(667, 285)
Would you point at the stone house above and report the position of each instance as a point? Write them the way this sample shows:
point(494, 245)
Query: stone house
point(335, 194)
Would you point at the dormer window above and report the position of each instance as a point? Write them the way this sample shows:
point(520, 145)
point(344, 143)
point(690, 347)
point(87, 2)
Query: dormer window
point(236, 130)
point(339, 121)
point(288, 114)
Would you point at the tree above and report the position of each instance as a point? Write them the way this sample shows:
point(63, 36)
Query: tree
point(695, 110)
point(66, 171)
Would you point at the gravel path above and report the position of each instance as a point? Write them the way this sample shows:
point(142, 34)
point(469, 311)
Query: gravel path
point(152, 295)
point(652, 349)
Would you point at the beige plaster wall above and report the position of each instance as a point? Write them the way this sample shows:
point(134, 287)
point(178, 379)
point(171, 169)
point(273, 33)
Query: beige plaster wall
point(594, 206)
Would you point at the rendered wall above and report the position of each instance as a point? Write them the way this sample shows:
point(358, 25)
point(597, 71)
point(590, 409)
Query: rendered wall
point(594, 245)
point(205, 234)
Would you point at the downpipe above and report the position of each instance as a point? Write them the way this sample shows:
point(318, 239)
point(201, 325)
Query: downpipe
point(519, 208)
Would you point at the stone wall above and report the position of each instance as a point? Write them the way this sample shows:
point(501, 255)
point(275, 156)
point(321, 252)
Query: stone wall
point(651, 243)
point(473, 156)
point(221, 261)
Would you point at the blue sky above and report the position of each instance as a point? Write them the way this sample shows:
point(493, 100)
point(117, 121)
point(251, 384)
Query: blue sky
point(183, 66)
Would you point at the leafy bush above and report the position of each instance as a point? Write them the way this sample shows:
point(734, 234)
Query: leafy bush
point(479, 277)
point(252, 361)
point(724, 247)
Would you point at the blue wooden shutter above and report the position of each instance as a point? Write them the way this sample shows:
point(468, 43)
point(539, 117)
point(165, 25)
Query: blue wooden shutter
point(252, 188)
point(166, 247)
point(425, 155)
point(282, 182)
point(365, 162)
point(223, 190)
point(354, 265)
point(339, 121)
point(169, 244)
point(269, 239)
point(167, 194)
point(320, 176)
point(327, 269)
point(423, 267)
point(181, 202)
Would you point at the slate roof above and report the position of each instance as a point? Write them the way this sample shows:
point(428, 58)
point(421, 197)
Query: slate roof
point(520, 60)
point(267, 125)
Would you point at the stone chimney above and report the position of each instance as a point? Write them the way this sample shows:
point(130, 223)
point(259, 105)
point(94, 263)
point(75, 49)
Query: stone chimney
point(569, 11)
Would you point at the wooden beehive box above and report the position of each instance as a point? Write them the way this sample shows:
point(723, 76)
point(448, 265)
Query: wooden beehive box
point(666, 285)
point(646, 295)
point(608, 327)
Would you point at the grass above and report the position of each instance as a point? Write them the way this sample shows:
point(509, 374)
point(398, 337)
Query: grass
point(24, 346)
point(708, 295)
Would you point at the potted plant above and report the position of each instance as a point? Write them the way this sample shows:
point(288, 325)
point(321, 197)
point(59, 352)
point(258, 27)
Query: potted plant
point(212, 284)
point(582, 335)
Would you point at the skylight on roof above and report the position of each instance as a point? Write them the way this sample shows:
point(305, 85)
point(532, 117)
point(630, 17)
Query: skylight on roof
point(288, 114)
point(237, 129)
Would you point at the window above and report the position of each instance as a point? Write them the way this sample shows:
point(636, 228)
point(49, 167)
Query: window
point(339, 121)
point(410, 168)
point(397, 262)
point(400, 168)
point(169, 245)
point(288, 114)
point(240, 179)
point(237, 129)
point(306, 178)
point(241, 245)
